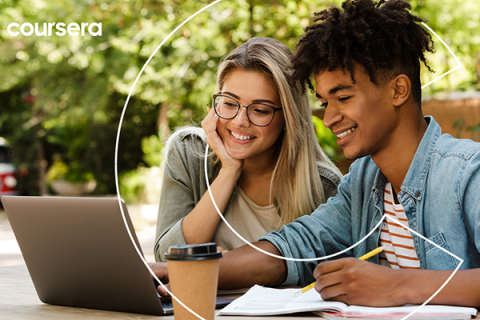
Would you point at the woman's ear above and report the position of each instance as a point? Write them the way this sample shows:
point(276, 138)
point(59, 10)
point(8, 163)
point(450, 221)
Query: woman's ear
point(402, 89)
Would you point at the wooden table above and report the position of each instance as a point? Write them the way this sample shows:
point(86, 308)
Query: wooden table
point(19, 300)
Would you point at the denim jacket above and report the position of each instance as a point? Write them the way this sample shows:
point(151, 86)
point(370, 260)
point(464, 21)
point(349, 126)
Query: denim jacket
point(440, 195)
point(184, 185)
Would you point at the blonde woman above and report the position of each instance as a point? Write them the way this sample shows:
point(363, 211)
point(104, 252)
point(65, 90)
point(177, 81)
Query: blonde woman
point(266, 168)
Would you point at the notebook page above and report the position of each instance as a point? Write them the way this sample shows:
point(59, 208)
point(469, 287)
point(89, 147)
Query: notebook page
point(269, 301)
point(260, 301)
point(407, 309)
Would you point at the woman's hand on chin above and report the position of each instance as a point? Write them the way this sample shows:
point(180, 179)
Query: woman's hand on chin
point(209, 125)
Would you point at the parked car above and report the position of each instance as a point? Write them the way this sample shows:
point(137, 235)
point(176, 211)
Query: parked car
point(8, 181)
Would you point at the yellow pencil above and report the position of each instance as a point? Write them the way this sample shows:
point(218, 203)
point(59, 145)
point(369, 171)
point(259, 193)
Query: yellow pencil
point(372, 253)
point(364, 257)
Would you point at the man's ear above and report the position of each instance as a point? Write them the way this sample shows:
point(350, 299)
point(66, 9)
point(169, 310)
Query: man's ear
point(402, 89)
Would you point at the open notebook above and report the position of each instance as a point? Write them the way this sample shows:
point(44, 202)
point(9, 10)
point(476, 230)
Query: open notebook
point(262, 301)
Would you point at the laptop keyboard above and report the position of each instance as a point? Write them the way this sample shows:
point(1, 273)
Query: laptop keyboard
point(167, 306)
point(166, 302)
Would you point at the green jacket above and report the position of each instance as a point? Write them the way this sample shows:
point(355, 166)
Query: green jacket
point(184, 185)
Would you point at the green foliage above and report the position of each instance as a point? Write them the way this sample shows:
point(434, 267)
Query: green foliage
point(63, 96)
point(473, 130)
point(327, 140)
point(142, 185)
point(152, 149)
point(457, 22)
point(59, 170)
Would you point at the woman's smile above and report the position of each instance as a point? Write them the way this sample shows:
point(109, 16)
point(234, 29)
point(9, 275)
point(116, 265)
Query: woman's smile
point(242, 137)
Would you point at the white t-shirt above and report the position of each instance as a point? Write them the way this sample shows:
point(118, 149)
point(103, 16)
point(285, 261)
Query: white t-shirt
point(247, 218)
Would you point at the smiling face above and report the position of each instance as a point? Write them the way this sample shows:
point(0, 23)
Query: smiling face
point(241, 138)
point(361, 115)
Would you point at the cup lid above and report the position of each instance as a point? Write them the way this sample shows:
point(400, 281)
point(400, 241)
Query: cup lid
point(193, 252)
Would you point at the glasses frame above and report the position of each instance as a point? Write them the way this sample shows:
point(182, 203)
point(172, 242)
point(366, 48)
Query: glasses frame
point(246, 107)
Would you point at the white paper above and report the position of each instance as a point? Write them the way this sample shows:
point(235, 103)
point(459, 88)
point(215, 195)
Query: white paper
point(268, 301)
point(260, 301)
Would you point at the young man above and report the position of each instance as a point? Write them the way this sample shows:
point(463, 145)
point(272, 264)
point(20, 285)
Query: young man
point(366, 64)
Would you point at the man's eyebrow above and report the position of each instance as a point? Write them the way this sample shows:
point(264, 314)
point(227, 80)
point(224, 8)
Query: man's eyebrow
point(335, 89)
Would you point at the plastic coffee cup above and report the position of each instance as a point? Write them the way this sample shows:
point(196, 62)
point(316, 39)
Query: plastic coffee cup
point(193, 273)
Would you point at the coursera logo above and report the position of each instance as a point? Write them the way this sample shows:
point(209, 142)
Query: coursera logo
point(73, 29)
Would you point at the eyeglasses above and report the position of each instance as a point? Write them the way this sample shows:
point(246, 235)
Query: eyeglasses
point(258, 114)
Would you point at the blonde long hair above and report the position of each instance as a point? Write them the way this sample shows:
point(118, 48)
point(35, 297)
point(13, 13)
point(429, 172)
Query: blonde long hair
point(295, 181)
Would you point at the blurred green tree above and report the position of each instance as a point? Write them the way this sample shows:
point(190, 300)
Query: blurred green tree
point(62, 97)
point(458, 24)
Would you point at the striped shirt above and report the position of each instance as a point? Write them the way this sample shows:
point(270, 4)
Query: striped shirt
point(400, 251)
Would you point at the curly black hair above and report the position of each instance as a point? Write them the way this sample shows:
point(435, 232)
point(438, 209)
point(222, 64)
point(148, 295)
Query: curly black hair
point(383, 37)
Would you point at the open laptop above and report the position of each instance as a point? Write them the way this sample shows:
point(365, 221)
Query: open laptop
point(79, 254)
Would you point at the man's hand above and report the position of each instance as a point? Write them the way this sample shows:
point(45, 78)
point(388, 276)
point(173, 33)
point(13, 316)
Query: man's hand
point(358, 282)
point(161, 271)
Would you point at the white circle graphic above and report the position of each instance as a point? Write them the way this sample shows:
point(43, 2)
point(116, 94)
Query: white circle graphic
point(116, 155)
point(218, 211)
point(371, 231)
point(269, 253)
